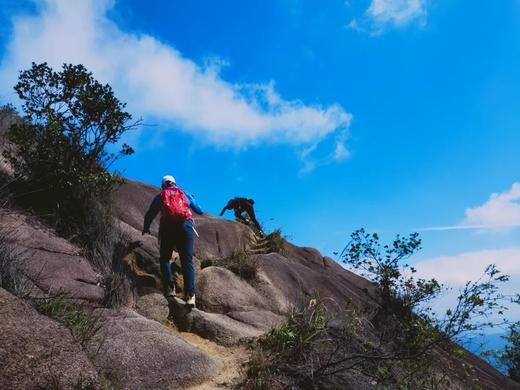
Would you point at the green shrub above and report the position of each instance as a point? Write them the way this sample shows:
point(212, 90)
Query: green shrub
point(82, 324)
point(60, 144)
point(285, 351)
point(301, 329)
point(60, 151)
point(406, 324)
point(510, 356)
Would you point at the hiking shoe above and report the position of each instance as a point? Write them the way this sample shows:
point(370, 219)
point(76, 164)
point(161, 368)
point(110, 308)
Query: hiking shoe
point(171, 293)
point(190, 300)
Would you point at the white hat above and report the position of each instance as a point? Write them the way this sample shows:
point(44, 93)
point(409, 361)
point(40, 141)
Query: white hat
point(168, 178)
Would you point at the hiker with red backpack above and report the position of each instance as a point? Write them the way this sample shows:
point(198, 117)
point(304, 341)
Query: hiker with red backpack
point(176, 230)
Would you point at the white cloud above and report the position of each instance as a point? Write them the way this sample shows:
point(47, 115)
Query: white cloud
point(396, 12)
point(467, 266)
point(455, 271)
point(383, 14)
point(318, 159)
point(501, 210)
point(162, 85)
point(341, 152)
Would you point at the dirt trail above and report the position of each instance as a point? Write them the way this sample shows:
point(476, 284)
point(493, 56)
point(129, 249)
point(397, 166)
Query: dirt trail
point(232, 359)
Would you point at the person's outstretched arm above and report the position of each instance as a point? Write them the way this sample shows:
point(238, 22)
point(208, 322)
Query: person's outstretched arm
point(228, 206)
point(224, 210)
point(193, 204)
point(152, 212)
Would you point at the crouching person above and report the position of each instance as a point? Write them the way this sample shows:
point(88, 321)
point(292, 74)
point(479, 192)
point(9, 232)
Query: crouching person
point(175, 231)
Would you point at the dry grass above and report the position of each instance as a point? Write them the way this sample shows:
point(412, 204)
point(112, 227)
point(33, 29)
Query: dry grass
point(276, 241)
point(241, 263)
point(12, 275)
point(106, 251)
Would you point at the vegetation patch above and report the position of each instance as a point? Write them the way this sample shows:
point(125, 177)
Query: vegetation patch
point(82, 324)
point(275, 241)
point(58, 148)
point(107, 253)
point(12, 275)
point(302, 328)
point(241, 263)
point(510, 357)
point(204, 263)
point(283, 357)
point(257, 372)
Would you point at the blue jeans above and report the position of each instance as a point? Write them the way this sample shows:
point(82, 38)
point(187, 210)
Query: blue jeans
point(177, 235)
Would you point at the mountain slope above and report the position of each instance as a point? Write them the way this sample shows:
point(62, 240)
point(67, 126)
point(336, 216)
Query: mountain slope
point(135, 352)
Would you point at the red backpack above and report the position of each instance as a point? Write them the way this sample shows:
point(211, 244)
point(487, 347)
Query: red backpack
point(174, 205)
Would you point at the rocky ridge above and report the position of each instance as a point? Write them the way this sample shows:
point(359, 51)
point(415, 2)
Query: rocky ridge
point(151, 343)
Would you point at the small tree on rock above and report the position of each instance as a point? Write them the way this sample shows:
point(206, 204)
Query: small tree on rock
point(405, 318)
point(62, 145)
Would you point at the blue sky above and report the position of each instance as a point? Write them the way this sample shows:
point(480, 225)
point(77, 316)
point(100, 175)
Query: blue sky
point(393, 115)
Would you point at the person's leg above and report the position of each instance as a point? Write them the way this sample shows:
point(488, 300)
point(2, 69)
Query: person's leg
point(166, 250)
point(185, 248)
point(251, 212)
point(240, 218)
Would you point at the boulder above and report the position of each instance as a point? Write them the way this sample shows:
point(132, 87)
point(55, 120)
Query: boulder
point(143, 261)
point(147, 243)
point(262, 320)
point(218, 238)
point(132, 200)
point(221, 291)
point(304, 255)
point(133, 352)
point(51, 262)
point(297, 280)
point(212, 326)
point(153, 306)
point(38, 352)
point(220, 328)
